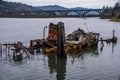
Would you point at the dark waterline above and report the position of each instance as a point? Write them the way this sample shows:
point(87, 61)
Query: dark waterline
point(89, 64)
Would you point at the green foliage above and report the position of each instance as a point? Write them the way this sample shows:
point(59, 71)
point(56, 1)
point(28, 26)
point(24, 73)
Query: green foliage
point(0, 1)
point(115, 13)
point(117, 5)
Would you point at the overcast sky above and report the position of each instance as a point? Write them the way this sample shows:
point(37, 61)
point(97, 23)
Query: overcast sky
point(69, 3)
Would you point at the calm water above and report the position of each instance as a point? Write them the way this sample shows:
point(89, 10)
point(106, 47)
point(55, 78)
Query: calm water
point(93, 64)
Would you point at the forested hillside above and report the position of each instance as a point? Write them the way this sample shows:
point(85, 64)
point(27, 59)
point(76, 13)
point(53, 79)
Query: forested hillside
point(113, 14)
point(15, 6)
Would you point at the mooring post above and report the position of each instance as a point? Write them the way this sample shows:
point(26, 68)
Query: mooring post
point(9, 49)
point(0, 49)
point(32, 46)
point(14, 55)
point(60, 41)
point(31, 43)
point(6, 49)
point(113, 33)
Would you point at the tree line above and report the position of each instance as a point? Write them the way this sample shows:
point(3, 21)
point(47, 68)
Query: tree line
point(7, 7)
point(113, 13)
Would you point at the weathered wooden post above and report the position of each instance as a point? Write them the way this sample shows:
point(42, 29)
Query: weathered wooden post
point(113, 33)
point(6, 49)
point(0, 49)
point(31, 43)
point(32, 46)
point(60, 40)
point(114, 39)
point(14, 55)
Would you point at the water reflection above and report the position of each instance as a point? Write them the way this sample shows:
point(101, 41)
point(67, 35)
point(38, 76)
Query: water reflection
point(56, 66)
point(61, 69)
point(113, 45)
point(80, 54)
point(52, 63)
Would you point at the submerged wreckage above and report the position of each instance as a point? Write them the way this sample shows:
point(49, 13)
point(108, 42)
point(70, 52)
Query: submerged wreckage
point(57, 42)
point(77, 39)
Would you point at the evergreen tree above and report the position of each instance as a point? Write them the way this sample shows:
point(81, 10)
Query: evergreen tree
point(0, 1)
point(104, 7)
point(117, 5)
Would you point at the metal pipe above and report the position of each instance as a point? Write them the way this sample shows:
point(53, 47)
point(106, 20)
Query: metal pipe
point(44, 32)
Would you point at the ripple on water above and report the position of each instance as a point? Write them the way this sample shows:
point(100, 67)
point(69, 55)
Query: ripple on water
point(87, 65)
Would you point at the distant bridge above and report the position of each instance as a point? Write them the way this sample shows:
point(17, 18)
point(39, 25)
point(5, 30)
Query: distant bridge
point(65, 12)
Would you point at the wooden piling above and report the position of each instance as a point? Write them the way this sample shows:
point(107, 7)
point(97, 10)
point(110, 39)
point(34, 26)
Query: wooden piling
point(60, 41)
point(113, 33)
point(0, 49)
point(14, 55)
point(31, 43)
point(6, 49)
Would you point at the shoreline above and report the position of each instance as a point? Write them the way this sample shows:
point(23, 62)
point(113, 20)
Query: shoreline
point(40, 16)
point(115, 20)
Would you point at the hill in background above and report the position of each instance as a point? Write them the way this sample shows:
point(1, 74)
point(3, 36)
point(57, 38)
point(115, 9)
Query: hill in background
point(57, 7)
point(15, 7)
point(51, 7)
